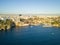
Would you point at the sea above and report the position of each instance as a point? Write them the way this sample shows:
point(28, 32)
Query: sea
point(30, 35)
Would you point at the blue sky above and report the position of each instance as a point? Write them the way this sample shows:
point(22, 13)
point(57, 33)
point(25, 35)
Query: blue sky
point(29, 6)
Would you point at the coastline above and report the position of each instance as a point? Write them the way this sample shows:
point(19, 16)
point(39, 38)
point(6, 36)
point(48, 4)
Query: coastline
point(7, 22)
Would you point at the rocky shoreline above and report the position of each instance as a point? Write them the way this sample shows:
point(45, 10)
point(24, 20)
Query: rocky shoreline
point(7, 22)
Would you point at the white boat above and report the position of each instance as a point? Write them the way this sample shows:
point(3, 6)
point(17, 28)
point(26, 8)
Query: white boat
point(31, 26)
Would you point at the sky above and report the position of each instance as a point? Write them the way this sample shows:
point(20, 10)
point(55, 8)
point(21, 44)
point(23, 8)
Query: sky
point(30, 6)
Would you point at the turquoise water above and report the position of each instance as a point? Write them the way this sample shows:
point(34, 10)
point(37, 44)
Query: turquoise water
point(30, 35)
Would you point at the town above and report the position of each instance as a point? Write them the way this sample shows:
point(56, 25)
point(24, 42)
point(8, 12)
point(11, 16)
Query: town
point(7, 22)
